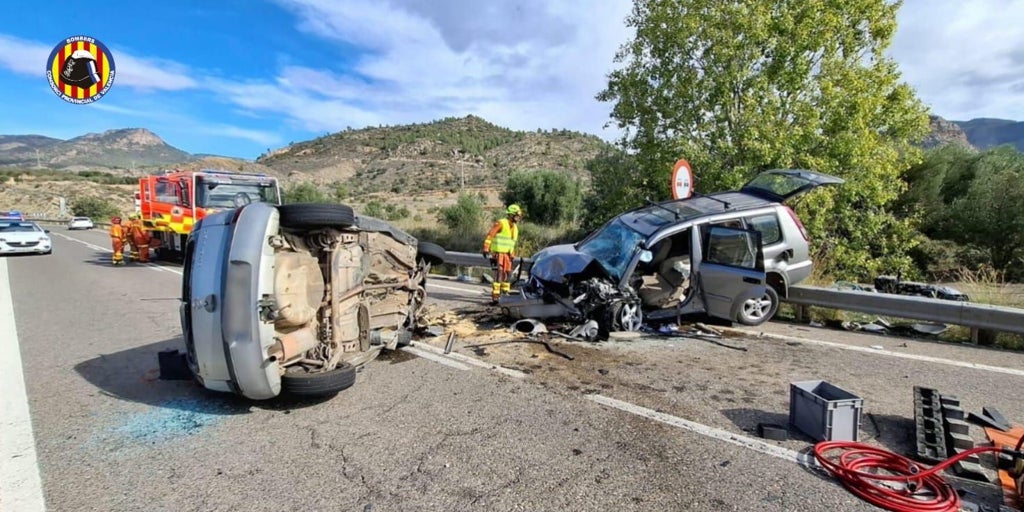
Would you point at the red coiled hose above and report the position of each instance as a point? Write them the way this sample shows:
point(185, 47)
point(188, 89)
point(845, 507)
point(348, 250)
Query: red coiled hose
point(922, 489)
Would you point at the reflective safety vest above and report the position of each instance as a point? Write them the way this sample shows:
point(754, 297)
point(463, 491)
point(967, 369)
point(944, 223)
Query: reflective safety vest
point(505, 239)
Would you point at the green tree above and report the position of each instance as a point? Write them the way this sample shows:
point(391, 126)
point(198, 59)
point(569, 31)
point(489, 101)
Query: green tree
point(615, 186)
point(737, 87)
point(548, 197)
point(96, 208)
point(305, 192)
point(991, 214)
point(972, 198)
point(339, 191)
point(465, 222)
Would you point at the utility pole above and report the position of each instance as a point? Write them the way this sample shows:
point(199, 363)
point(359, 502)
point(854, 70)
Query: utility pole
point(38, 165)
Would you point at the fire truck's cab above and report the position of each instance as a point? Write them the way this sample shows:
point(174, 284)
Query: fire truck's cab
point(172, 202)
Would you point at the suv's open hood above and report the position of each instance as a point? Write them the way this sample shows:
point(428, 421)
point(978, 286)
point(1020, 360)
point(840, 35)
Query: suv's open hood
point(781, 185)
point(554, 263)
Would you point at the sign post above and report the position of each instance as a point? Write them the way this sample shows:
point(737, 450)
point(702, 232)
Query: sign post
point(682, 180)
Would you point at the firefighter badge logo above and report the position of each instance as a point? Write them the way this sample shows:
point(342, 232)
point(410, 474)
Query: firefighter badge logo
point(80, 70)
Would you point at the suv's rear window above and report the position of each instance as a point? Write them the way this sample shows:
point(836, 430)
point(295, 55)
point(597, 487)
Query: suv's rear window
point(768, 226)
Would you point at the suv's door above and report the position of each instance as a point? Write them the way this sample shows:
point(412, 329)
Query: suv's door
point(781, 185)
point(731, 270)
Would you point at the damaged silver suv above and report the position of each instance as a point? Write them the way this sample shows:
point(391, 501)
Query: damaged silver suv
point(730, 255)
point(294, 298)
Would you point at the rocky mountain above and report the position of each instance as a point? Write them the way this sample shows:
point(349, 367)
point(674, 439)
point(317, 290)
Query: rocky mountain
point(985, 133)
point(944, 132)
point(123, 148)
point(443, 154)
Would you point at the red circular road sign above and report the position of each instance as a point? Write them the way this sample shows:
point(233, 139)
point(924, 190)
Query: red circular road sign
point(682, 180)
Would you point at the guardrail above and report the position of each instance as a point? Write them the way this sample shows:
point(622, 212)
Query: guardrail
point(64, 221)
point(475, 259)
point(967, 314)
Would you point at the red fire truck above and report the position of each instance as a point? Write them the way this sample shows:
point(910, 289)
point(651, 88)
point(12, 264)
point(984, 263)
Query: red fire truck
point(171, 202)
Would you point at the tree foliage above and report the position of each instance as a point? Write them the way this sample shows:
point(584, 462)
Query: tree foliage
point(304, 192)
point(465, 222)
point(96, 208)
point(738, 87)
point(616, 186)
point(972, 198)
point(548, 197)
point(386, 211)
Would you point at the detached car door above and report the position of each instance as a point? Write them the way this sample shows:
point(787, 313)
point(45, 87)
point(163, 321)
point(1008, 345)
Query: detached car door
point(730, 271)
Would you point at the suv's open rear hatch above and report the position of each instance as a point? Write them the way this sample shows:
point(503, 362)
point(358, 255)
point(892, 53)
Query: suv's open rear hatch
point(781, 185)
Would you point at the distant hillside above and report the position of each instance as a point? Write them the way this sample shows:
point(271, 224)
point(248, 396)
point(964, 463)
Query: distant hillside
point(431, 156)
point(944, 132)
point(985, 133)
point(123, 148)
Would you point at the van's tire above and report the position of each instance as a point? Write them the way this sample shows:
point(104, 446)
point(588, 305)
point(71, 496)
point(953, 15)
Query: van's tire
point(431, 252)
point(319, 384)
point(316, 215)
point(757, 311)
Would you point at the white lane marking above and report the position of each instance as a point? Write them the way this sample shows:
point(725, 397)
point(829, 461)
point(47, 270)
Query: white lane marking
point(151, 266)
point(21, 488)
point(804, 459)
point(473, 361)
point(464, 291)
point(868, 350)
point(435, 358)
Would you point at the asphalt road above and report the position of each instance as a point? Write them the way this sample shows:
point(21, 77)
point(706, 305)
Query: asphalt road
point(650, 424)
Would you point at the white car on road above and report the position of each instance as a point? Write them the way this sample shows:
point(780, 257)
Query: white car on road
point(20, 236)
point(80, 223)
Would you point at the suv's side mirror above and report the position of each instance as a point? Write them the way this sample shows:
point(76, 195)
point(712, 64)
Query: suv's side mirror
point(46, 231)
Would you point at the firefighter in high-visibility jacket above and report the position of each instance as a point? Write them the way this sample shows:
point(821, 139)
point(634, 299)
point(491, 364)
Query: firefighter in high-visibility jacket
point(117, 239)
point(140, 238)
point(500, 248)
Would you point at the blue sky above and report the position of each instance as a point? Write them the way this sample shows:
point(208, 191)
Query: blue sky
point(236, 77)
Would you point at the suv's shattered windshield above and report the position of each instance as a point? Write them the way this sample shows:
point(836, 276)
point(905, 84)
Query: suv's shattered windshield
point(613, 246)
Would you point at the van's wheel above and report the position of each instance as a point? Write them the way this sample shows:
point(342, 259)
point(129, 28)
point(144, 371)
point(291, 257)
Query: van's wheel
point(757, 311)
point(316, 215)
point(625, 316)
point(298, 382)
point(431, 252)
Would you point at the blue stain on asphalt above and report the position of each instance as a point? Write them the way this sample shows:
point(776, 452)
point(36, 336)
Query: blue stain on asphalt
point(175, 418)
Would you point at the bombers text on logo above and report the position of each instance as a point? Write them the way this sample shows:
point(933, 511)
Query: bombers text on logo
point(80, 69)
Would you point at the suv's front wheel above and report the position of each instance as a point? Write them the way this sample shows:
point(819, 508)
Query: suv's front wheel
point(758, 311)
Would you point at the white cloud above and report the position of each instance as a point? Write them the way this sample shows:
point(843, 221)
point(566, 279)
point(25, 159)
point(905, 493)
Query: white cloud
point(525, 65)
point(176, 121)
point(29, 58)
point(965, 59)
point(158, 74)
point(234, 132)
point(23, 57)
